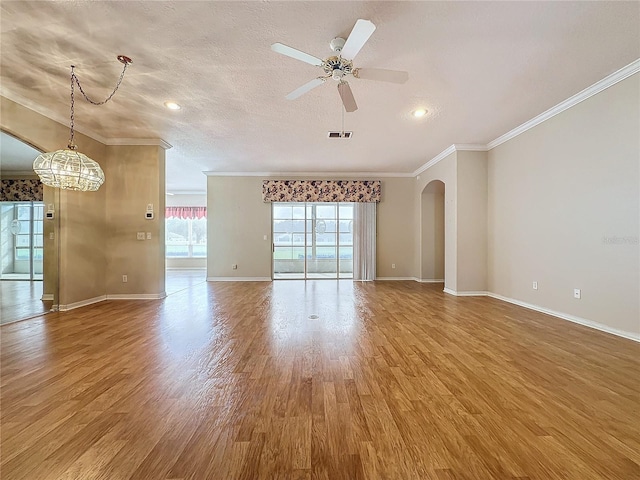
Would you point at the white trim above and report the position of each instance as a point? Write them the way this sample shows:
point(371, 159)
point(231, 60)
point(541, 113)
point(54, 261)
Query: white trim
point(402, 279)
point(443, 154)
point(624, 72)
point(632, 68)
point(471, 293)
point(211, 173)
point(139, 141)
point(571, 318)
point(428, 280)
point(136, 296)
point(82, 303)
point(238, 279)
point(449, 291)
point(46, 297)
point(470, 147)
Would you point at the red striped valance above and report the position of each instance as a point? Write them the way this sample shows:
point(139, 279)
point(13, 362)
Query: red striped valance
point(186, 212)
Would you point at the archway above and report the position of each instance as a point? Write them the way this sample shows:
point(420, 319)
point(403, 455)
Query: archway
point(432, 235)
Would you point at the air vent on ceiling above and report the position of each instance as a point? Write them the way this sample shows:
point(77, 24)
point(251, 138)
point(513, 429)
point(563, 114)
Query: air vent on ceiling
point(340, 134)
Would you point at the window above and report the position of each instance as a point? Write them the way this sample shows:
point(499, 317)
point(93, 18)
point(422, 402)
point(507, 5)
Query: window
point(23, 239)
point(186, 232)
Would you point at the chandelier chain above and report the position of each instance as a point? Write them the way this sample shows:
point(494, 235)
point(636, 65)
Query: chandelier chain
point(93, 102)
point(75, 80)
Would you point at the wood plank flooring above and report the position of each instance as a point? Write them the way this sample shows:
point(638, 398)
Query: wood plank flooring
point(20, 299)
point(392, 380)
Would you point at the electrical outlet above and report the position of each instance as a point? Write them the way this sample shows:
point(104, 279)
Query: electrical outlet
point(577, 293)
point(51, 236)
point(234, 266)
point(535, 285)
point(393, 265)
point(125, 279)
point(140, 236)
point(148, 235)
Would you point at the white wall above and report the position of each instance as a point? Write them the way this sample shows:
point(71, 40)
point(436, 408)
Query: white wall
point(563, 210)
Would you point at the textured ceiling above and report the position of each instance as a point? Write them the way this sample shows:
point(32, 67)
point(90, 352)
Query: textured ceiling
point(480, 68)
point(16, 156)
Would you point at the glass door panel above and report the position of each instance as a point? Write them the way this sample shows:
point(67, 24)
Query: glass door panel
point(312, 240)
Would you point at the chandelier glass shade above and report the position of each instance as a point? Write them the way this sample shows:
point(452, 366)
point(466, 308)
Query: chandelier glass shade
point(70, 170)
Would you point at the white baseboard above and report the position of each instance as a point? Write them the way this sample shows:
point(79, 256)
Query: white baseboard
point(571, 318)
point(468, 293)
point(428, 280)
point(82, 303)
point(449, 291)
point(136, 296)
point(395, 278)
point(47, 297)
point(238, 279)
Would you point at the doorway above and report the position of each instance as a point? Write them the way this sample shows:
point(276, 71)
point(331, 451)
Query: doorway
point(312, 240)
point(22, 243)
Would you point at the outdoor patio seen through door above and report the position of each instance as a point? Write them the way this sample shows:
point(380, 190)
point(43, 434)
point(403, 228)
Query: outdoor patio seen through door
point(312, 240)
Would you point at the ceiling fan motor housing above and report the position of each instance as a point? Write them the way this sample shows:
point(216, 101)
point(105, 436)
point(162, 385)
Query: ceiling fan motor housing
point(336, 44)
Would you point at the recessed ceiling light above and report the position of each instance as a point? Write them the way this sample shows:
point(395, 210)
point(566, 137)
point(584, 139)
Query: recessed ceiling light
point(421, 112)
point(172, 105)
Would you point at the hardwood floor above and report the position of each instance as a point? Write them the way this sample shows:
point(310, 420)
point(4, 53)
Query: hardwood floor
point(20, 299)
point(392, 380)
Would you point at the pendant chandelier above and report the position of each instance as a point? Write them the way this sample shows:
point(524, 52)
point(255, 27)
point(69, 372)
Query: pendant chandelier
point(69, 169)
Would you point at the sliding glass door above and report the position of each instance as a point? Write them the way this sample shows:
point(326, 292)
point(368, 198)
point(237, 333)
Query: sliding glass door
point(312, 240)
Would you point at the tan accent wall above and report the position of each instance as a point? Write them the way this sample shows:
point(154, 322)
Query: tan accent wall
point(135, 179)
point(92, 246)
point(564, 208)
point(238, 219)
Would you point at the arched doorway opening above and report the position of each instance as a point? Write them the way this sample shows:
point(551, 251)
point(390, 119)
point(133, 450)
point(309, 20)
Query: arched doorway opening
point(432, 221)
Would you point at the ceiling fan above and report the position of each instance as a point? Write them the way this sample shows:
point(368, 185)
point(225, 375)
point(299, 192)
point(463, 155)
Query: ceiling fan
point(340, 65)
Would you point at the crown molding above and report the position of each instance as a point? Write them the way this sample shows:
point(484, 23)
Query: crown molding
point(445, 153)
point(51, 115)
point(139, 141)
point(211, 173)
point(625, 72)
point(470, 147)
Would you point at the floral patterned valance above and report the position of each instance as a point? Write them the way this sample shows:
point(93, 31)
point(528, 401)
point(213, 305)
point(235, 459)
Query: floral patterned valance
point(25, 190)
point(362, 191)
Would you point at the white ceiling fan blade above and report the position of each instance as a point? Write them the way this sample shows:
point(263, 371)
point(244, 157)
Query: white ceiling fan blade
point(361, 32)
point(294, 53)
point(347, 97)
point(298, 92)
point(382, 75)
